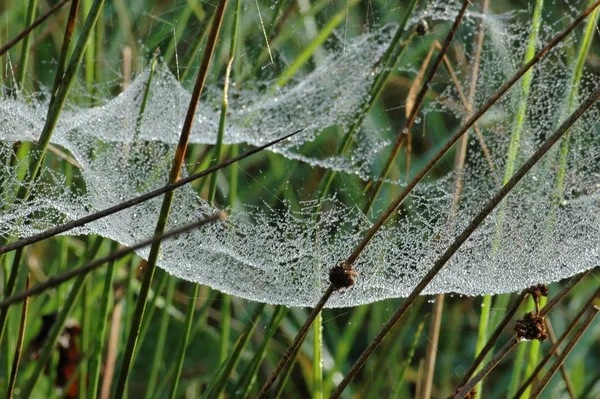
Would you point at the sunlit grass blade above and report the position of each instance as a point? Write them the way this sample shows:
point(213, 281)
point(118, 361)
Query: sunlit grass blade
point(513, 150)
point(317, 361)
point(411, 352)
point(223, 375)
point(248, 378)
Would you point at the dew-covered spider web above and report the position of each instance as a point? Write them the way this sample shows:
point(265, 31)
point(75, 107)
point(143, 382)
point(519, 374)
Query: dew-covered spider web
point(279, 248)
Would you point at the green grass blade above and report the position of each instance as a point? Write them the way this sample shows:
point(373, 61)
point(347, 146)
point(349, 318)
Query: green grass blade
point(102, 317)
point(245, 384)
point(318, 41)
point(511, 159)
point(159, 344)
point(57, 328)
point(411, 353)
point(218, 384)
point(189, 318)
point(317, 363)
point(168, 199)
point(26, 45)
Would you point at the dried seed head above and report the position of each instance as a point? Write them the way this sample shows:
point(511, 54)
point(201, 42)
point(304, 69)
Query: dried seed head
point(422, 28)
point(342, 276)
point(537, 291)
point(531, 327)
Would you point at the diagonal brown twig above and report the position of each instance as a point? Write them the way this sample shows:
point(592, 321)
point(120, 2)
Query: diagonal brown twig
point(466, 233)
point(417, 106)
point(593, 312)
point(514, 341)
point(557, 344)
point(391, 209)
point(61, 278)
point(31, 27)
point(135, 201)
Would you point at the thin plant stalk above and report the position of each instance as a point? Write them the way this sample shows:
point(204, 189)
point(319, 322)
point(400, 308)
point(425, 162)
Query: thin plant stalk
point(189, 318)
point(111, 352)
point(571, 101)
point(58, 279)
point(285, 374)
point(432, 347)
point(65, 47)
point(105, 300)
point(493, 338)
point(515, 339)
point(201, 321)
point(51, 120)
point(563, 370)
point(84, 338)
point(409, 356)
point(593, 312)
point(29, 20)
point(18, 348)
point(181, 350)
point(419, 176)
point(556, 345)
point(417, 105)
point(466, 233)
point(317, 361)
point(534, 350)
point(57, 327)
point(223, 375)
point(244, 386)
point(19, 244)
point(287, 355)
point(25, 32)
point(140, 117)
point(90, 55)
point(502, 352)
point(513, 150)
point(430, 357)
point(168, 198)
point(387, 63)
point(159, 344)
point(489, 103)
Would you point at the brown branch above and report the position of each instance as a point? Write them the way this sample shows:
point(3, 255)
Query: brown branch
point(493, 338)
point(491, 101)
point(563, 370)
point(466, 233)
point(134, 201)
point(557, 344)
point(576, 337)
point(469, 385)
point(31, 27)
point(61, 278)
point(417, 106)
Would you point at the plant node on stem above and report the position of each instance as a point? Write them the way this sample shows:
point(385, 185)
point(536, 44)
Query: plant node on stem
point(342, 276)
